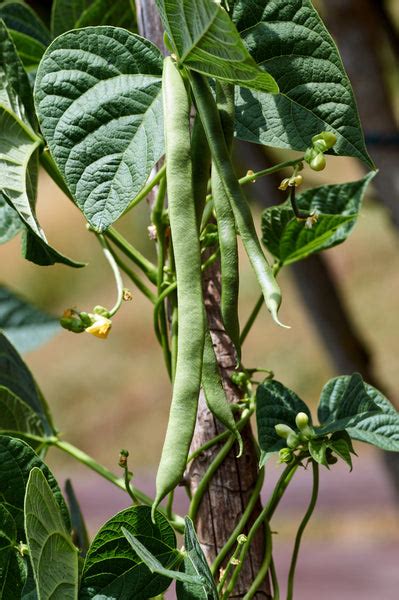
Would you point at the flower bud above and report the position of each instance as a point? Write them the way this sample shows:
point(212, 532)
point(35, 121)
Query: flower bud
point(71, 321)
point(285, 455)
point(100, 310)
point(283, 430)
point(293, 440)
point(329, 139)
point(318, 163)
point(301, 420)
point(100, 326)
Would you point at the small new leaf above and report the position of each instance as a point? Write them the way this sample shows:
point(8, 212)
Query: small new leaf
point(317, 449)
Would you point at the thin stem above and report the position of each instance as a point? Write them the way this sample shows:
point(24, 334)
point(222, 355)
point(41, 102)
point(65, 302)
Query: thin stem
point(241, 523)
point(131, 252)
point(260, 577)
point(265, 514)
point(117, 274)
point(169, 505)
point(134, 277)
point(158, 305)
point(127, 477)
point(252, 177)
point(146, 189)
point(273, 575)
point(251, 319)
point(232, 562)
point(215, 440)
point(301, 529)
point(176, 521)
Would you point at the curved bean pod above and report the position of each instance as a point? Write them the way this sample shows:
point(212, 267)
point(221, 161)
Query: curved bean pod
point(183, 225)
point(209, 114)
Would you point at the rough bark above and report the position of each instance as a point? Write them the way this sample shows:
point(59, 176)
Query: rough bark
point(230, 489)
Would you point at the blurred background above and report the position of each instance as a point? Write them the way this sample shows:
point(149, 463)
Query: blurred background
point(343, 309)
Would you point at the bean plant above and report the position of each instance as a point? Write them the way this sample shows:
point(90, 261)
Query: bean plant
point(114, 122)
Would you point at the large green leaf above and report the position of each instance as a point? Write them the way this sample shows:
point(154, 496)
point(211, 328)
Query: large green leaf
point(126, 577)
point(10, 223)
point(98, 97)
point(378, 426)
point(18, 16)
point(15, 376)
point(66, 13)
point(30, 51)
point(337, 206)
point(17, 459)
point(17, 417)
point(291, 42)
point(54, 557)
point(195, 564)
point(275, 404)
point(13, 569)
point(26, 326)
point(206, 40)
point(107, 12)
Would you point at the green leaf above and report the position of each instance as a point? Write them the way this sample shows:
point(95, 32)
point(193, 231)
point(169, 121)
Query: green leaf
point(77, 521)
point(53, 555)
point(66, 13)
point(17, 417)
point(379, 428)
point(337, 206)
point(18, 152)
point(195, 564)
point(98, 98)
point(206, 40)
point(126, 576)
point(317, 449)
point(29, 49)
point(341, 444)
point(19, 17)
point(13, 569)
point(276, 404)
point(17, 459)
point(344, 402)
point(291, 41)
point(23, 324)
point(107, 12)
point(153, 563)
point(15, 375)
point(10, 223)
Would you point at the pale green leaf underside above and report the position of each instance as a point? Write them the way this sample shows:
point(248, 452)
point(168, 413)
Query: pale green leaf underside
point(291, 42)
point(289, 240)
point(16, 416)
point(125, 576)
point(26, 326)
point(53, 555)
point(98, 98)
point(207, 41)
point(10, 223)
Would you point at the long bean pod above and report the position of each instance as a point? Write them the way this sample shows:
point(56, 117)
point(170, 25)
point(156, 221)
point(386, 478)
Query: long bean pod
point(201, 160)
point(209, 114)
point(226, 224)
point(186, 246)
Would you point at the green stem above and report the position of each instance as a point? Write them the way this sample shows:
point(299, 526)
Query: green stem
point(134, 277)
point(283, 165)
point(265, 515)
point(273, 575)
point(241, 523)
point(51, 168)
point(301, 529)
point(127, 477)
point(251, 319)
point(260, 577)
point(215, 440)
point(131, 252)
point(115, 269)
point(232, 562)
point(146, 189)
point(176, 521)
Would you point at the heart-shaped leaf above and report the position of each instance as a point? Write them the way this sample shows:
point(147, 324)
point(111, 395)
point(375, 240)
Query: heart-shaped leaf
point(17, 459)
point(337, 206)
point(54, 557)
point(195, 564)
point(98, 98)
point(379, 427)
point(66, 13)
point(126, 576)
point(291, 42)
point(18, 16)
point(206, 40)
point(13, 568)
point(23, 324)
point(107, 12)
point(318, 449)
point(15, 376)
point(275, 404)
point(341, 444)
point(30, 51)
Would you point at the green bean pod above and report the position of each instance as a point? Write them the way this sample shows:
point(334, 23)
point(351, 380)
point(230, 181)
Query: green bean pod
point(201, 160)
point(214, 393)
point(226, 225)
point(186, 246)
point(209, 114)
